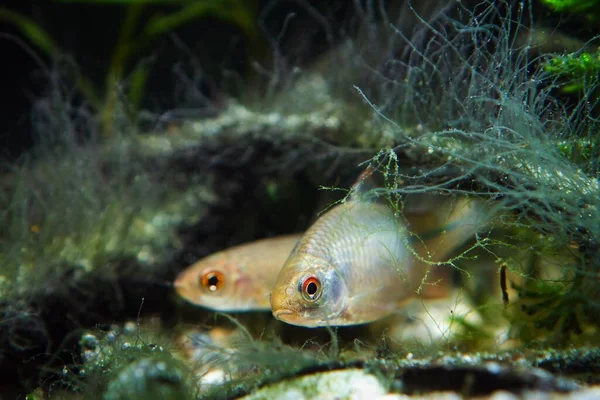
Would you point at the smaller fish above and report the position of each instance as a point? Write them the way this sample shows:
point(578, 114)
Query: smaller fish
point(238, 278)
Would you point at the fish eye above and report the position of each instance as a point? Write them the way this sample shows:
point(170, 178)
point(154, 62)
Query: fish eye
point(212, 280)
point(311, 288)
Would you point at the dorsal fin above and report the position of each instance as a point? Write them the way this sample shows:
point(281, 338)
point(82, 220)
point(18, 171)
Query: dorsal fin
point(363, 184)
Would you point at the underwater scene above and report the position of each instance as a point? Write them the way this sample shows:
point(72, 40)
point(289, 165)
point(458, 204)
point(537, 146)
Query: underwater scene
point(300, 199)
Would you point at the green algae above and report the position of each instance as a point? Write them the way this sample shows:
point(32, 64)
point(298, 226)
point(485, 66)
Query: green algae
point(476, 373)
point(346, 384)
point(500, 144)
point(149, 379)
point(132, 218)
point(586, 7)
point(580, 70)
point(136, 361)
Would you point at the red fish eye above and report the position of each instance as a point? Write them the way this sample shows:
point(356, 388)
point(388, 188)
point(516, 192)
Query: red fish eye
point(212, 280)
point(311, 288)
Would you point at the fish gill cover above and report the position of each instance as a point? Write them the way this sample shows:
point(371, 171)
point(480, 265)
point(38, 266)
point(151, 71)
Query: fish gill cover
point(448, 99)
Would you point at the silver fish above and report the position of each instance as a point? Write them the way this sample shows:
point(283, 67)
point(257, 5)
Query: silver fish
point(358, 263)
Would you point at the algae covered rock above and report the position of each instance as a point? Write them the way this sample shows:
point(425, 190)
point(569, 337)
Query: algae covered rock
point(345, 384)
point(149, 379)
point(131, 362)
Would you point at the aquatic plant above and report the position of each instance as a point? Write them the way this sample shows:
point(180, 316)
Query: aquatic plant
point(485, 119)
point(84, 222)
point(445, 100)
point(580, 71)
point(588, 8)
point(127, 68)
point(135, 361)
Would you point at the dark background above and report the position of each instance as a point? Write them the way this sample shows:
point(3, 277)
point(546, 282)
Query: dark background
point(88, 32)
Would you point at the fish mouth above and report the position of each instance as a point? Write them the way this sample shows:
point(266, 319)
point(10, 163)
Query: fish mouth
point(281, 312)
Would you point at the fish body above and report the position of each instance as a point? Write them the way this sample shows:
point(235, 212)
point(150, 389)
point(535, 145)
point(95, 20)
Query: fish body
point(357, 264)
point(238, 278)
point(345, 270)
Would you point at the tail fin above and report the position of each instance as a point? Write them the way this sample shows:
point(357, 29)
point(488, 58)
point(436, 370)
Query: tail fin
point(444, 224)
point(438, 227)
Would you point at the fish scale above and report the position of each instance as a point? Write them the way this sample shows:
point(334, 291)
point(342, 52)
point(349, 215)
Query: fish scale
point(364, 248)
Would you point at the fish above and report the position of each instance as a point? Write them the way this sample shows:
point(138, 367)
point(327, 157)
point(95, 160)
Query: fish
point(238, 278)
point(359, 262)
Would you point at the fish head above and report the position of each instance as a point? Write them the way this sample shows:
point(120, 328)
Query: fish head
point(309, 292)
point(220, 284)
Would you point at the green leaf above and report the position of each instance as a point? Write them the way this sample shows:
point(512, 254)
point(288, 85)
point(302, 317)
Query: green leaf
point(137, 84)
point(34, 32)
point(574, 6)
point(127, 2)
point(578, 71)
point(163, 24)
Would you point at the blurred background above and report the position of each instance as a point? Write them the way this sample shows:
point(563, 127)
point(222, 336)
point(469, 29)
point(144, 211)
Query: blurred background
point(171, 54)
point(177, 53)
